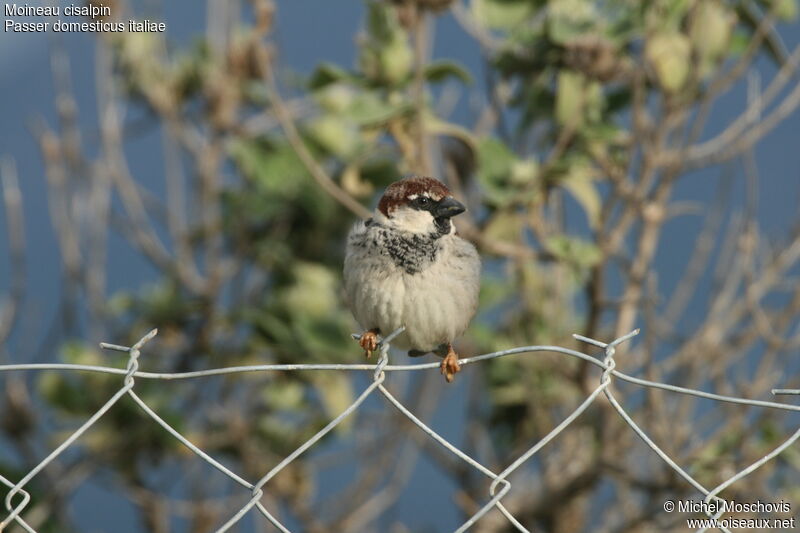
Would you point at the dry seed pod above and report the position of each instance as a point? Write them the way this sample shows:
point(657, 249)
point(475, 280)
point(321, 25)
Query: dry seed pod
point(594, 56)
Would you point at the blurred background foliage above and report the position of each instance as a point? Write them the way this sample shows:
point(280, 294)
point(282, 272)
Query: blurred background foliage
point(589, 115)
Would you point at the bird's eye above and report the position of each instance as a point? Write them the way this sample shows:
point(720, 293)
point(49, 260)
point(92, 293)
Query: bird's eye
point(422, 202)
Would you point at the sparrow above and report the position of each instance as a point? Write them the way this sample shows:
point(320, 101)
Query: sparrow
point(405, 266)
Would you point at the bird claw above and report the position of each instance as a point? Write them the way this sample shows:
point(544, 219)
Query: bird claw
point(369, 342)
point(450, 366)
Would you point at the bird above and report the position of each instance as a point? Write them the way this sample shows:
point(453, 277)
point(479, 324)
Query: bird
point(406, 266)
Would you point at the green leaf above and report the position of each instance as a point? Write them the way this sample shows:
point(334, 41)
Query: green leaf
point(274, 166)
point(495, 163)
point(336, 97)
point(569, 98)
point(274, 328)
point(524, 171)
point(284, 394)
point(579, 181)
point(577, 252)
point(79, 354)
point(739, 42)
point(618, 99)
point(353, 183)
point(710, 29)
point(328, 73)
point(667, 16)
point(505, 225)
point(494, 159)
point(501, 14)
point(786, 10)
point(495, 290)
point(511, 393)
point(385, 56)
point(336, 394)
point(669, 53)
point(439, 71)
point(339, 137)
point(313, 293)
point(396, 60)
point(380, 22)
point(438, 126)
point(570, 19)
point(368, 108)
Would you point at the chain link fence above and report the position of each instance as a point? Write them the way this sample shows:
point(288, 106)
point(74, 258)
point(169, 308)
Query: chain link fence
point(17, 498)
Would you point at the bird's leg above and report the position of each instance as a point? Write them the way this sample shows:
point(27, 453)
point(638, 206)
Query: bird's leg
point(369, 341)
point(450, 366)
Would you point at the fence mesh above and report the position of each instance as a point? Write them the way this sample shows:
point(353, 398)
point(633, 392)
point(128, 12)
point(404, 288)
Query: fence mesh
point(17, 498)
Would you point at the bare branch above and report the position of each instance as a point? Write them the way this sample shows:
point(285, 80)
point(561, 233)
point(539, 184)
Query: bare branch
point(15, 228)
point(290, 130)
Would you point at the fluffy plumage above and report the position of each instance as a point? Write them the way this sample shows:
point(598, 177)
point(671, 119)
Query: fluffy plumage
point(406, 266)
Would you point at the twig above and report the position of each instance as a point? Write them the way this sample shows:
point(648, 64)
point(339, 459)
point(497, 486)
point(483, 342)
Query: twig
point(15, 227)
point(293, 136)
point(424, 159)
point(740, 134)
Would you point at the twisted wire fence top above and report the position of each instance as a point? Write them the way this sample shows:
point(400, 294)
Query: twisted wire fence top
point(17, 498)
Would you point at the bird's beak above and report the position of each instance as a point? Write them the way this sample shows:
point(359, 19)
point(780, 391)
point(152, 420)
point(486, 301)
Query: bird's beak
point(449, 207)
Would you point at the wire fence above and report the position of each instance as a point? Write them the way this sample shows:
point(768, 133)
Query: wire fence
point(17, 498)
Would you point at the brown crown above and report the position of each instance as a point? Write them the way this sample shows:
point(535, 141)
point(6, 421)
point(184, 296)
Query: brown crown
point(398, 192)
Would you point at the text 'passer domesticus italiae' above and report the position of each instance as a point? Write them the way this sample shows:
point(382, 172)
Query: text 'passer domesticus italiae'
point(406, 266)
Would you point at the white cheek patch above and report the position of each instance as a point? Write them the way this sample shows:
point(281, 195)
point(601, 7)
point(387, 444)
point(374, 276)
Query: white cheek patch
point(413, 220)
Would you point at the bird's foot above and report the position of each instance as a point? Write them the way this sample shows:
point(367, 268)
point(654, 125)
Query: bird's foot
point(450, 366)
point(369, 341)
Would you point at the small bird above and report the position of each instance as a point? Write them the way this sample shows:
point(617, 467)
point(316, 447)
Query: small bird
point(406, 266)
